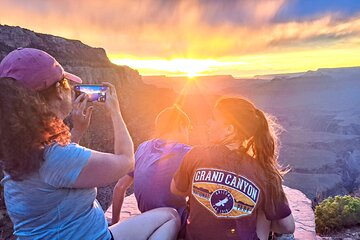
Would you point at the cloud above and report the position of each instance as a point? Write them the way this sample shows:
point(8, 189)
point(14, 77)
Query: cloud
point(185, 29)
point(325, 29)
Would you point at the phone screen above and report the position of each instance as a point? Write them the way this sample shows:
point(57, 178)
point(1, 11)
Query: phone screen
point(96, 93)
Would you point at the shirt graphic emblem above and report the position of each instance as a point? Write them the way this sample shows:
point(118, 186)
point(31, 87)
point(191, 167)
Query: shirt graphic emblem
point(222, 201)
point(225, 194)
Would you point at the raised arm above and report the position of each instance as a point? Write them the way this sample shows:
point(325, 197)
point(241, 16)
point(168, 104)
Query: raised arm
point(105, 168)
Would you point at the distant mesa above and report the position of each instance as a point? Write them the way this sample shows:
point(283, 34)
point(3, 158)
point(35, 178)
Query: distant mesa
point(321, 72)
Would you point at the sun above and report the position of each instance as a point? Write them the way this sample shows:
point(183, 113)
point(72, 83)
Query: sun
point(188, 67)
point(192, 75)
point(172, 67)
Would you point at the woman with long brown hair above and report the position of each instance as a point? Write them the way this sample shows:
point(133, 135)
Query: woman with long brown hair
point(236, 179)
point(50, 181)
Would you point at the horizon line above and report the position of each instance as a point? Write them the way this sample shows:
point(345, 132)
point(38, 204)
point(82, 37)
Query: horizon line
point(233, 76)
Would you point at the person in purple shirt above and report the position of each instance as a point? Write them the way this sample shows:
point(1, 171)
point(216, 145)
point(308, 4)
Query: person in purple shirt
point(156, 161)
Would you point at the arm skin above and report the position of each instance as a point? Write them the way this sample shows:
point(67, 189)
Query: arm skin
point(118, 196)
point(284, 226)
point(105, 168)
point(262, 226)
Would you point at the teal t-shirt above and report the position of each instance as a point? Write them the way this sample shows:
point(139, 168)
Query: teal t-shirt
point(45, 206)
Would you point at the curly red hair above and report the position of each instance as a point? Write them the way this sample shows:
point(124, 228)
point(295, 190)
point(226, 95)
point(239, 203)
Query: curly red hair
point(27, 126)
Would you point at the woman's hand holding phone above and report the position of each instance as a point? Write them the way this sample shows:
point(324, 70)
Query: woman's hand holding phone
point(80, 117)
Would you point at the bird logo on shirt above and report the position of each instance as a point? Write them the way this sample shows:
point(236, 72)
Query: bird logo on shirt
point(222, 202)
point(225, 194)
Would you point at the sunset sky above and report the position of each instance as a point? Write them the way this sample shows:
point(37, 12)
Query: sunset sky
point(190, 37)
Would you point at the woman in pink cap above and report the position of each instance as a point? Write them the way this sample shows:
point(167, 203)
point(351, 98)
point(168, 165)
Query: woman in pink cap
point(50, 181)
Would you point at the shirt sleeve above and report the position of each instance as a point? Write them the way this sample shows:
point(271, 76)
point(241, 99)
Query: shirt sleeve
point(182, 177)
point(63, 164)
point(280, 211)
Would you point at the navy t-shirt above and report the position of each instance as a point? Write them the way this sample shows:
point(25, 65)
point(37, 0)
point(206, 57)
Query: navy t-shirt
point(227, 189)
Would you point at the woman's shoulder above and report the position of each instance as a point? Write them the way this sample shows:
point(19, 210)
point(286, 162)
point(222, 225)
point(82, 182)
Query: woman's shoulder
point(206, 152)
point(63, 163)
point(200, 149)
point(55, 147)
point(207, 148)
point(57, 152)
point(252, 164)
point(244, 165)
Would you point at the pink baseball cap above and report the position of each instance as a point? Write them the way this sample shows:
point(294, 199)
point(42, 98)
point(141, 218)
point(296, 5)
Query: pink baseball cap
point(34, 69)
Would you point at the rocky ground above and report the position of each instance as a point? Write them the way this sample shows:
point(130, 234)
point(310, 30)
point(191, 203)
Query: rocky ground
point(300, 205)
point(345, 234)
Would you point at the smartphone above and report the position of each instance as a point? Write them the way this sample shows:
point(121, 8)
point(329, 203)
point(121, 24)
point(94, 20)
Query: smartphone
point(96, 93)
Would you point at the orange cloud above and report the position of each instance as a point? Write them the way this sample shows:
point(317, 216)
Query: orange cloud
point(187, 29)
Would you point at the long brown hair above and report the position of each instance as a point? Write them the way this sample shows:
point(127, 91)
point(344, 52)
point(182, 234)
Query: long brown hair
point(27, 126)
point(259, 134)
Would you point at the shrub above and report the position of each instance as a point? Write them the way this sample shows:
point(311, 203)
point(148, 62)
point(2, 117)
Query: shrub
point(337, 212)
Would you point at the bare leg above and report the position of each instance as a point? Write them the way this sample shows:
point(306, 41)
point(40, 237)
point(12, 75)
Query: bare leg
point(160, 223)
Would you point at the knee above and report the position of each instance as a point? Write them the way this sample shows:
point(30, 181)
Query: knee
point(171, 214)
